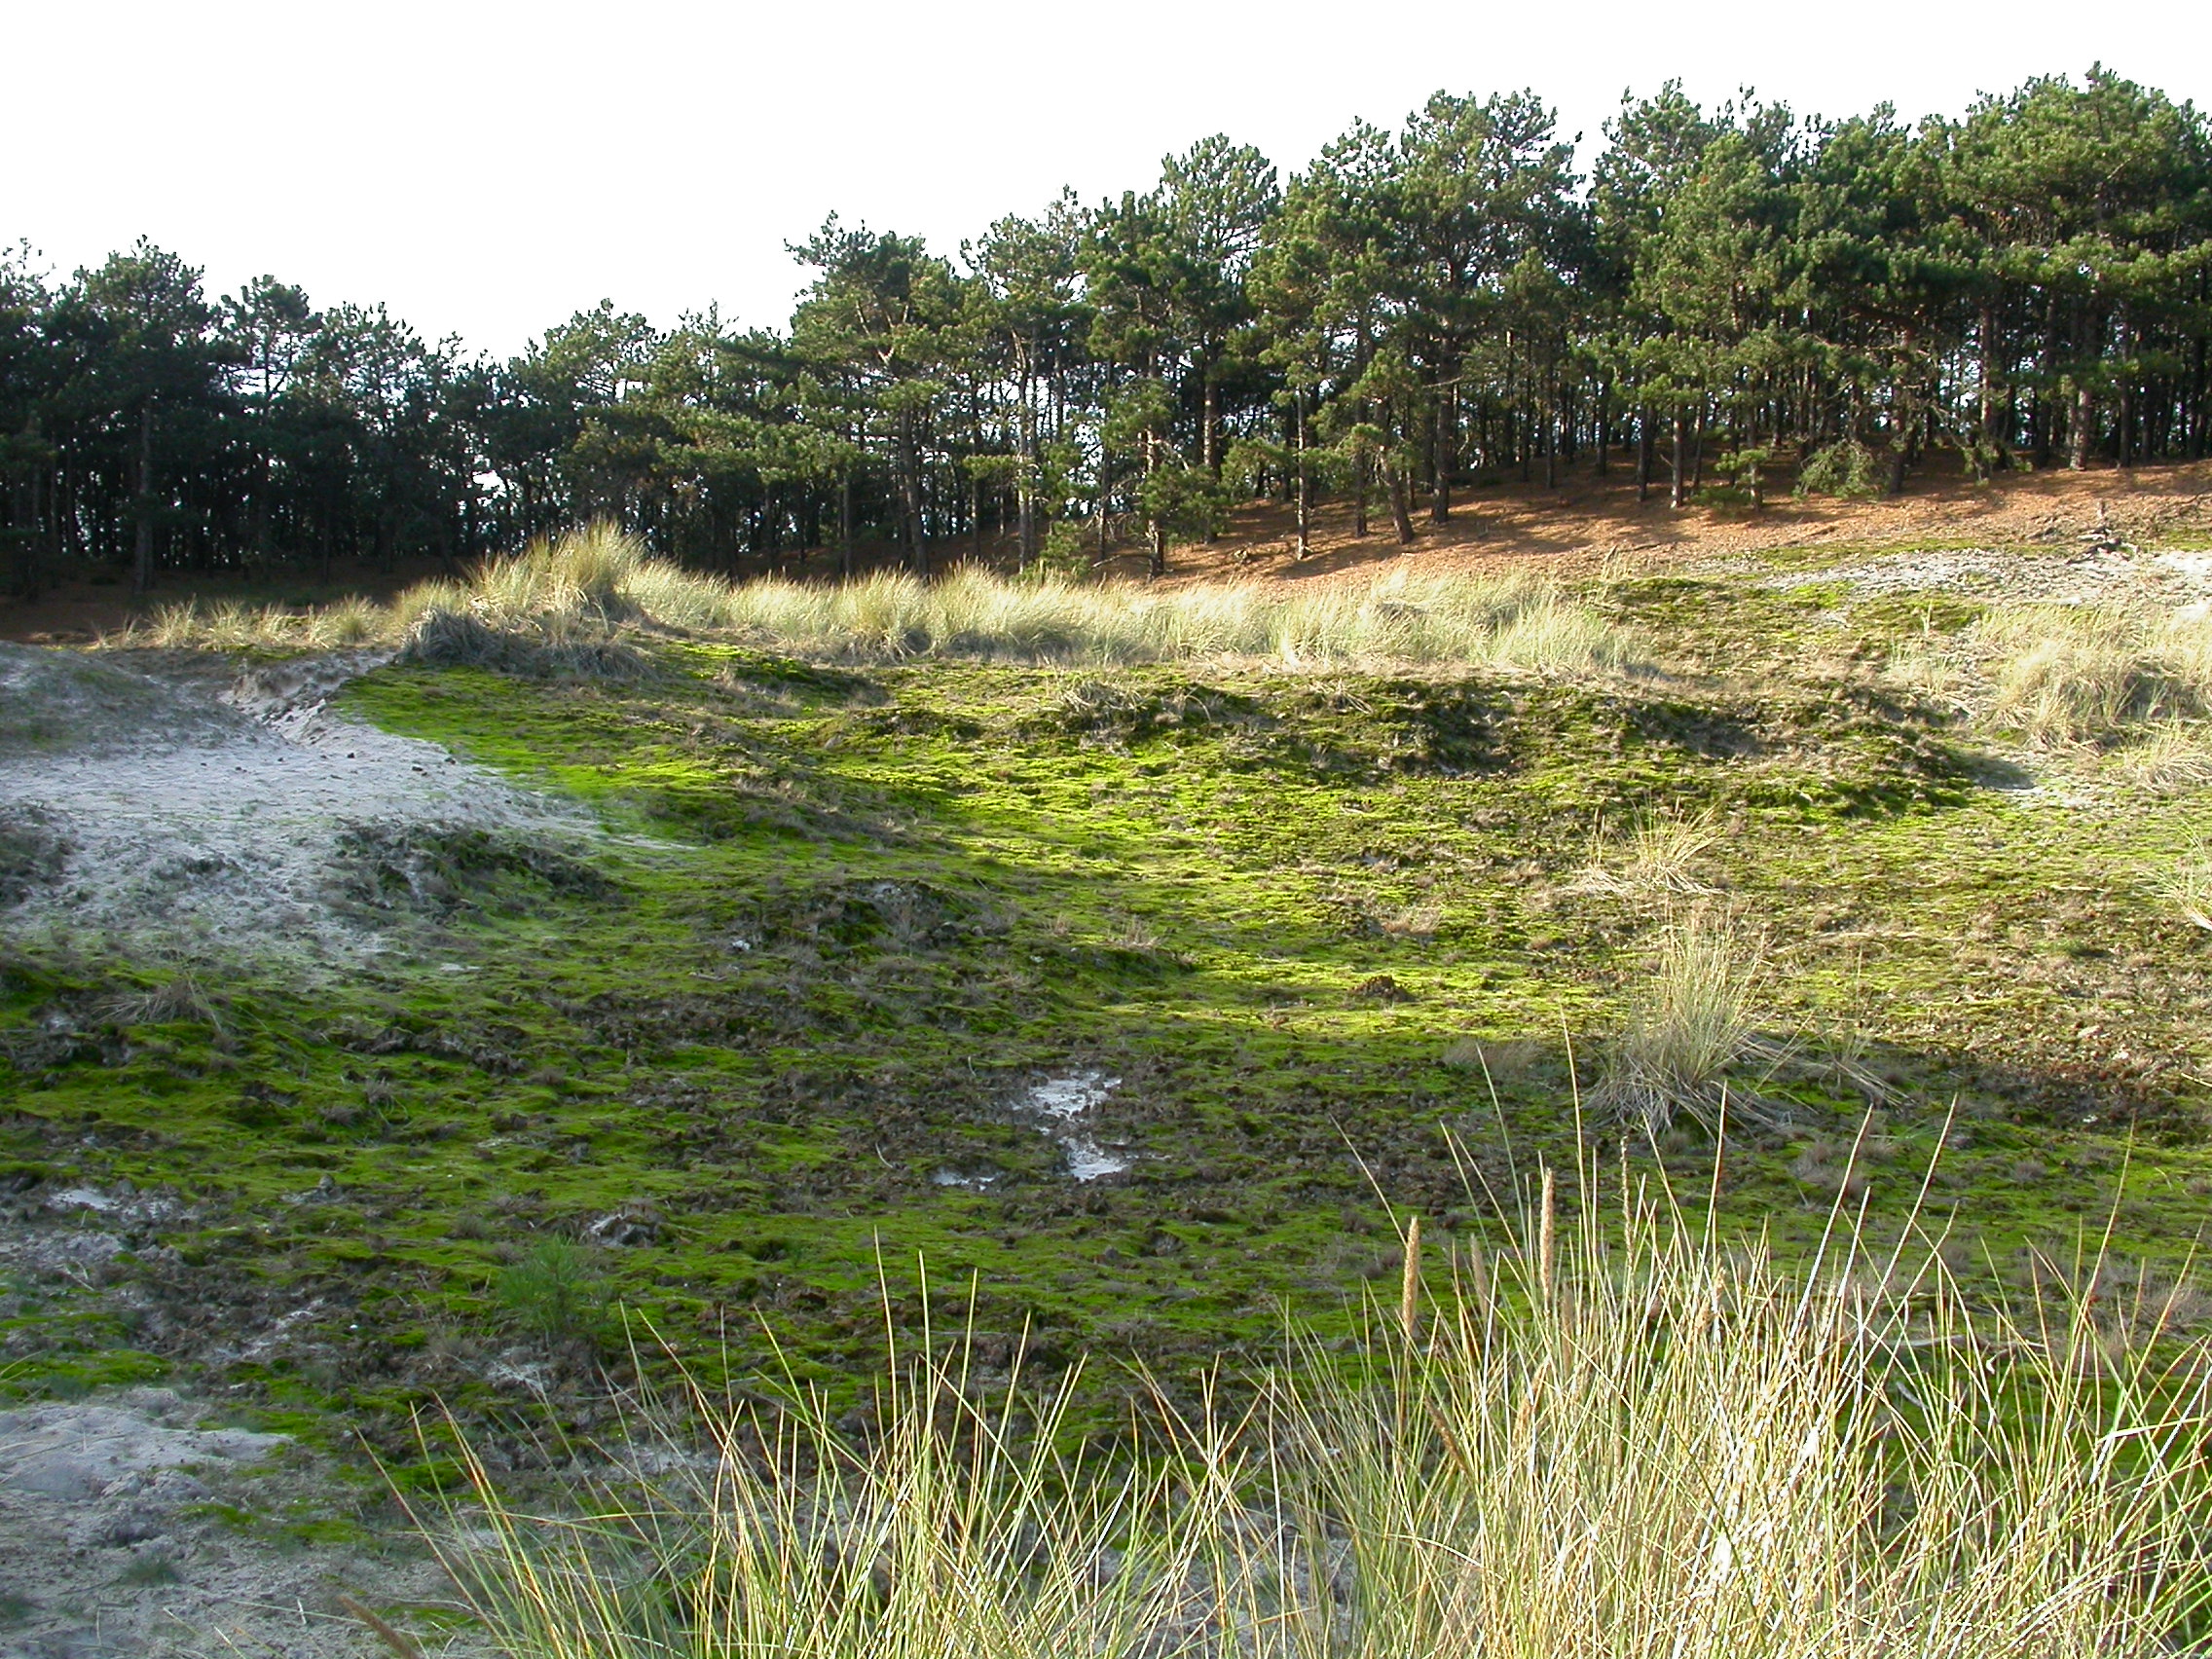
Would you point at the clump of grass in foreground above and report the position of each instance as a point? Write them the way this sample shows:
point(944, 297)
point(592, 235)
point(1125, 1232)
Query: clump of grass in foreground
point(592, 585)
point(2168, 757)
point(1622, 1439)
point(2188, 887)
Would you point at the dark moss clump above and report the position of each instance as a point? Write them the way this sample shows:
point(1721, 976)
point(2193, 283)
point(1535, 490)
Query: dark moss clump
point(32, 853)
point(448, 639)
point(437, 871)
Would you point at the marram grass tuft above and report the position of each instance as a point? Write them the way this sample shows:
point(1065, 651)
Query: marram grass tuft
point(594, 586)
point(1621, 1439)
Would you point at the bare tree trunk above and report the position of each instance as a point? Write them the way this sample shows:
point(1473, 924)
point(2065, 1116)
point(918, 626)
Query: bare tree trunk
point(1209, 442)
point(2085, 424)
point(2045, 409)
point(23, 531)
point(910, 495)
point(1550, 436)
point(1103, 480)
point(2124, 435)
point(2201, 413)
point(1026, 483)
point(1604, 417)
point(1987, 352)
point(1154, 532)
point(1440, 463)
point(1305, 485)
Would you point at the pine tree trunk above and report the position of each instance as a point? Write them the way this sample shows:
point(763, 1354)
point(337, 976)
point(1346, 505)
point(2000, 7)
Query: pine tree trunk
point(1209, 443)
point(22, 511)
point(1104, 480)
point(1154, 532)
point(846, 523)
point(1025, 486)
point(1209, 438)
point(2046, 411)
point(142, 533)
point(1304, 484)
point(1987, 330)
point(2200, 412)
point(1401, 505)
point(2084, 428)
point(1440, 464)
point(2124, 417)
point(1677, 494)
point(910, 495)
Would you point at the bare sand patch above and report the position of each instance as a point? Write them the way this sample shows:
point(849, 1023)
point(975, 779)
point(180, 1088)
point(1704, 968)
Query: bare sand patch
point(168, 803)
point(119, 1536)
point(2096, 577)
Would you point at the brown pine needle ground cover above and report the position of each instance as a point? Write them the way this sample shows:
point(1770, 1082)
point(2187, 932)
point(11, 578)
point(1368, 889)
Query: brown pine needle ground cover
point(660, 947)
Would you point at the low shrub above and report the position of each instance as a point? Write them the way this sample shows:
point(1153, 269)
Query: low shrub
point(554, 1294)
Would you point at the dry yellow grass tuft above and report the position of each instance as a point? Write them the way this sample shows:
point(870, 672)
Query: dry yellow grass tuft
point(2188, 887)
point(1622, 1437)
point(593, 585)
point(2073, 674)
point(1660, 857)
point(1691, 1023)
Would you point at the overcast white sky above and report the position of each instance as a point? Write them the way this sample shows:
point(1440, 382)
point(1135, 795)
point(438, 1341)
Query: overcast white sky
point(488, 167)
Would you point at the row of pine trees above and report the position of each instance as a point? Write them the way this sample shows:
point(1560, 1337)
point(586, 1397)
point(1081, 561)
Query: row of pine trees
point(1732, 300)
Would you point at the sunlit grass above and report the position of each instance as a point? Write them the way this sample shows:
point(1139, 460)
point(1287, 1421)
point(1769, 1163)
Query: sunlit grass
point(2070, 673)
point(594, 585)
point(1692, 1017)
point(1621, 1437)
point(1661, 855)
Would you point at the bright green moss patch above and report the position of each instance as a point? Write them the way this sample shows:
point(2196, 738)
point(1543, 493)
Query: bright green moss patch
point(761, 1048)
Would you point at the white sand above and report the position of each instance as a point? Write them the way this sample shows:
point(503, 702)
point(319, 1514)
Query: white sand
point(207, 814)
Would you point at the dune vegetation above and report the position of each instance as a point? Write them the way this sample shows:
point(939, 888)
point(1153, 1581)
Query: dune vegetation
point(1617, 1437)
point(903, 1116)
point(589, 587)
point(1582, 1029)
